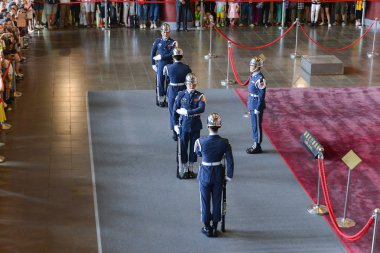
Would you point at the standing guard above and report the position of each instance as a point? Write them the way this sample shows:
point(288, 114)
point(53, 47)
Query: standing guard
point(256, 103)
point(176, 76)
point(161, 55)
point(188, 106)
point(211, 173)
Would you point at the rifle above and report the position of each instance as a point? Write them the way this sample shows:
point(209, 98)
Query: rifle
point(224, 197)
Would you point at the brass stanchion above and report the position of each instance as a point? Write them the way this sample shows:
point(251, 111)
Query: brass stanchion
point(346, 222)
point(375, 214)
point(295, 54)
point(210, 54)
point(373, 53)
point(351, 160)
point(227, 81)
point(318, 208)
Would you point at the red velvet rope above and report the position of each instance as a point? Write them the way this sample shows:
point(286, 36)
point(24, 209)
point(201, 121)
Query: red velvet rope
point(6, 71)
point(358, 235)
point(236, 75)
point(253, 47)
point(336, 49)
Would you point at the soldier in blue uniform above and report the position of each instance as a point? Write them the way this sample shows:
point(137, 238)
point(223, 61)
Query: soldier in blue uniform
point(176, 76)
point(188, 106)
point(161, 55)
point(211, 173)
point(256, 103)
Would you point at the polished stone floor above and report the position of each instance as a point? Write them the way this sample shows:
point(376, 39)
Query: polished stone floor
point(46, 193)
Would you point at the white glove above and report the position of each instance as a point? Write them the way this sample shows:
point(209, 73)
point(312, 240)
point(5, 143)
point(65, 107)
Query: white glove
point(176, 129)
point(182, 111)
point(157, 57)
point(228, 178)
point(256, 112)
point(175, 44)
point(154, 67)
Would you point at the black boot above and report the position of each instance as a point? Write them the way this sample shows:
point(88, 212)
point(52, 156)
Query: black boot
point(207, 230)
point(255, 149)
point(214, 229)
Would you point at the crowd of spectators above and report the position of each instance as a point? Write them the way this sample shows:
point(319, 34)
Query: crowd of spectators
point(143, 14)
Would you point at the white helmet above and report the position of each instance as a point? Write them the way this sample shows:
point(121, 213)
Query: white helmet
point(191, 78)
point(177, 51)
point(165, 27)
point(214, 119)
point(256, 61)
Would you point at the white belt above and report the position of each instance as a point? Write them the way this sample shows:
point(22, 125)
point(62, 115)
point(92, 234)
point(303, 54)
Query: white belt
point(253, 95)
point(176, 84)
point(211, 164)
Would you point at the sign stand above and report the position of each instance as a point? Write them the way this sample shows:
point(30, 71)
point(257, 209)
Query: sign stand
point(351, 160)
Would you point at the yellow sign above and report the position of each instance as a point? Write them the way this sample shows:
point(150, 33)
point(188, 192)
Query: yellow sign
point(351, 160)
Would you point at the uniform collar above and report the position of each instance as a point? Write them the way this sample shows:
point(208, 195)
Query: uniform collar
point(255, 72)
point(213, 134)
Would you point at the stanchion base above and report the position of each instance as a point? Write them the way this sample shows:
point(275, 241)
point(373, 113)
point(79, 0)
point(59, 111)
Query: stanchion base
point(345, 222)
point(226, 82)
point(295, 55)
point(200, 28)
point(209, 56)
point(281, 28)
point(246, 115)
point(372, 54)
point(317, 209)
point(105, 28)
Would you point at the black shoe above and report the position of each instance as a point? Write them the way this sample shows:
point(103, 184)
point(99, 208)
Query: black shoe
point(161, 104)
point(186, 30)
point(207, 231)
point(177, 29)
point(214, 231)
point(256, 150)
point(184, 175)
point(192, 175)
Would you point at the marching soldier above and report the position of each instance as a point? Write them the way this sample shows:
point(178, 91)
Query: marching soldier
point(256, 103)
point(162, 51)
point(176, 76)
point(211, 174)
point(188, 106)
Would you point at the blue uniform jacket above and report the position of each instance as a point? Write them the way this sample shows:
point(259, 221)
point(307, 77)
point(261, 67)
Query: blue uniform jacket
point(195, 104)
point(177, 72)
point(164, 48)
point(212, 148)
point(256, 89)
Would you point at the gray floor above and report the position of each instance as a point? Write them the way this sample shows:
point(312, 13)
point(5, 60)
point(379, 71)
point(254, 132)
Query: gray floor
point(46, 193)
point(143, 207)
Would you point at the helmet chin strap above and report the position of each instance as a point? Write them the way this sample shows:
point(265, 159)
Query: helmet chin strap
point(190, 90)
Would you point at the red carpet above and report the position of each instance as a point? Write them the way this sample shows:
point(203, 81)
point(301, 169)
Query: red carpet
point(341, 119)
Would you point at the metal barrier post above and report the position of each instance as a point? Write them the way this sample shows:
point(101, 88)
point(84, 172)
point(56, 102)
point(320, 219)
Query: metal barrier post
point(363, 13)
point(318, 208)
point(227, 81)
point(200, 27)
point(283, 15)
point(375, 213)
point(210, 54)
point(295, 54)
point(373, 53)
point(346, 222)
point(106, 26)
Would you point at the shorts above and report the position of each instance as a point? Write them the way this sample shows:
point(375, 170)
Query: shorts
point(38, 6)
point(90, 7)
point(51, 9)
point(220, 14)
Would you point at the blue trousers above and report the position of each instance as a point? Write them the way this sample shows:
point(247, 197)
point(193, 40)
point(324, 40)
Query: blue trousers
point(187, 143)
point(161, 90)
point(154, 12)
point(257, 126)
point(211, 191)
